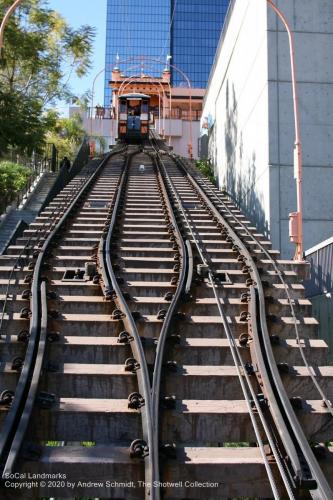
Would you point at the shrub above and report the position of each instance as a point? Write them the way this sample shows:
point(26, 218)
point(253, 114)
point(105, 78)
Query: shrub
point(206, 169)
point(13, 178)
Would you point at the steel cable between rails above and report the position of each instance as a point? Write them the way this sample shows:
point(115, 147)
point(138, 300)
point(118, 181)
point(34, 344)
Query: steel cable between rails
point(327, 402)
point(136, 345)
point(46, 227)
point(36, 236)
point(20, 410)
point(34, 383)
point(236, 355)
point(282, 409)
point(160, 349)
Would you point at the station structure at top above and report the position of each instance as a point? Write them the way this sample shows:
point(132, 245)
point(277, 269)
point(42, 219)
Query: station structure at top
point(164, 49)
point(186, 31)
point(220, 81)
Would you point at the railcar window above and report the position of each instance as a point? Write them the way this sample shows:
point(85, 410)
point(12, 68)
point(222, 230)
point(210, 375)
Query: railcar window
point(144, 107)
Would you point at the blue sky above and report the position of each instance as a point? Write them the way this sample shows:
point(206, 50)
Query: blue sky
point(92, 12)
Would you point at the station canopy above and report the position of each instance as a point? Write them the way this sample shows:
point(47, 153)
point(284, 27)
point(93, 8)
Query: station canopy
point(134, 96)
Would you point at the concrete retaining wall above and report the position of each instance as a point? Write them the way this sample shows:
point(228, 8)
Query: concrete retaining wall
point(249, 101)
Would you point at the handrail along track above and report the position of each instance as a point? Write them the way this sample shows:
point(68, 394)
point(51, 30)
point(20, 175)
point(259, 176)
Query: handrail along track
point(38, 238)
point(18, 417)
point(212, 193)
point(301, 469)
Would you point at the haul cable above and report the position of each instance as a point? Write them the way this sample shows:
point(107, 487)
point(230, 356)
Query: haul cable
point(19, 414)
point(287, 423)
point(324, 398)
point(144, 447)
point(185, 260)
point(238, 361)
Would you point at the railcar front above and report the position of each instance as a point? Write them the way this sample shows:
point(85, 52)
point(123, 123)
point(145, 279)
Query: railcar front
point(133, 118)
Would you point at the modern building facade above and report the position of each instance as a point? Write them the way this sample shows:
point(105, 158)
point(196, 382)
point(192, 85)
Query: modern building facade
point(195, 33)
point(248, 116)
point(135, 28)
point(188, 30)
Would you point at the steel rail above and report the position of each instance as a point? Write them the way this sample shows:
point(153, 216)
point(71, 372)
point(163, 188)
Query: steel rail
point(40, 326)
point(190, 267)
point(239, 364)
point(141, 371)
point(26, 247)
point(288, 426)
point(19, 414)
point(29, 352)
point(255, 399)
point(326, 401)
point(281, 409)
point(322, 489)
point(47, 225)
point(185, 260)
point(242, 371)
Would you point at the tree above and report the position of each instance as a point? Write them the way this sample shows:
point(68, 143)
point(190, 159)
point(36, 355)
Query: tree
point(23, 123)
point(41, 52)
point(13, 178)
point(66, 134)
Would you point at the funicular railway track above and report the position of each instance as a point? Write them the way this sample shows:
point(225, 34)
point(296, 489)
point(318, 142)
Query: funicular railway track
point(180, 341)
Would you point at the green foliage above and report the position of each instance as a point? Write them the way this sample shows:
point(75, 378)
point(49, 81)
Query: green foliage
point(23, 125)
point(206, 169)
point(41, 52)
point(83, 101)
point(100, 142)
point(13, 178)
point(67, 134)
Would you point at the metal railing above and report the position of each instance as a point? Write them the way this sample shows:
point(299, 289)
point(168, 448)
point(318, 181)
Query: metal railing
point(37, 164)
point(47, 160)
point(108, 113)
point(26, 393)
point(101, 113)
point(65, 175)
point(183, 114)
